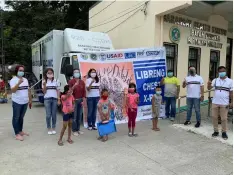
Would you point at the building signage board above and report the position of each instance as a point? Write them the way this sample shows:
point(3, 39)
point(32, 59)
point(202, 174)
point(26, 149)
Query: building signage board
point(201, 38)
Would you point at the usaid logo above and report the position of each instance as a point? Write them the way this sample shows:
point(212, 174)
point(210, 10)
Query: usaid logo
point(102, 57)
point(115, 56)
point(152, 53)
point(130, 55)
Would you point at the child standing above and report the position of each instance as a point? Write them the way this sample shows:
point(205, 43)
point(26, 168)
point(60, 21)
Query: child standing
point(132, 104)
point(104, 108)
point(68, 110)
point(156, 103)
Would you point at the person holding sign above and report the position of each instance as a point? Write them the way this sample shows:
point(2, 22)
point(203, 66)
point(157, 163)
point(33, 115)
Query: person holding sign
point(171, 93)
point(132, 104)
point(93, 96)
point(195, 94)
point(221, 101)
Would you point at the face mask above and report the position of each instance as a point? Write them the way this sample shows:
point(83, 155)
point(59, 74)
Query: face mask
point(77, 75)
point(131, 90)
point(1, 80)
point(222, 74)
point(50, 75)
point(93, 75)
point(158, 92)
point(20, 74)
point(104, 97)
point(191, 72)
point(170, 74)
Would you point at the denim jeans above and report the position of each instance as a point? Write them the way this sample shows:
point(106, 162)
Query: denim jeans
point(3, 100)
point(18, 116)
point(196, 103)
point(170, 106)
point(51, 111)
point(77, 115)
point(92, 110)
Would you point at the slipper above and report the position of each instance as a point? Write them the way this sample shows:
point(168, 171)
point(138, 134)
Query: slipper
point(24, 134)
point(70, 141)
point(60, 143)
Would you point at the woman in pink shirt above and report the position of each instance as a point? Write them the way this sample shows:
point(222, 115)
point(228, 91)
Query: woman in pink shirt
point(68, 110)
point(132, 104)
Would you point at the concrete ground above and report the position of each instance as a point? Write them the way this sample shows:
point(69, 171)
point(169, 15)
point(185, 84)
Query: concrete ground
point(172, 151)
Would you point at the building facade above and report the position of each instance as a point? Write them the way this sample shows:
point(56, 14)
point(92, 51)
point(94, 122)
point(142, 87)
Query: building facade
point(194, 33)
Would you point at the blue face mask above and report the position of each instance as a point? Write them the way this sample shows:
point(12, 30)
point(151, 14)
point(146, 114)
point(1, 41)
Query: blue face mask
point(77, 75)
point(222, 74)
point(170, 74)
point(20, 74)
point(158, 92)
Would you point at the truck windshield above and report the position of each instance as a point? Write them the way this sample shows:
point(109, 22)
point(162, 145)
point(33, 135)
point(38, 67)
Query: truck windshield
point(75, 63)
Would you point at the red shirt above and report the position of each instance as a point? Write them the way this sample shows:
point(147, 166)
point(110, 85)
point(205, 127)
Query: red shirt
point(79, 90)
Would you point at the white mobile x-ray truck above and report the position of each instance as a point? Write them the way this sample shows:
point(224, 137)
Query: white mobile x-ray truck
point(58, 50)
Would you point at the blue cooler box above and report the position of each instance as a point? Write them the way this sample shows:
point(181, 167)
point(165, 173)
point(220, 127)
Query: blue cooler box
point(106, 128)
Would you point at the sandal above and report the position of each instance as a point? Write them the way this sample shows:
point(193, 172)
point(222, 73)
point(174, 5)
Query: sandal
point(157, 129)
point(70, 141)
point(60, 143)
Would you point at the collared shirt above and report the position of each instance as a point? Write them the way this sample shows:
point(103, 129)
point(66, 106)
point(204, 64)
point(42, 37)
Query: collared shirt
point(222, 91)
point(194, 84)
point(171, 84)
point(79, 91)
point(52, 88)
point(21, 95)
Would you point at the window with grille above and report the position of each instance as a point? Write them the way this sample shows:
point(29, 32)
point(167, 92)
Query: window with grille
point(194, 58)
point(171, 56)
point(214, 63)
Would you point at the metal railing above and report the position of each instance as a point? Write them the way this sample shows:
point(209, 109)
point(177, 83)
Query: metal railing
point(179, 111)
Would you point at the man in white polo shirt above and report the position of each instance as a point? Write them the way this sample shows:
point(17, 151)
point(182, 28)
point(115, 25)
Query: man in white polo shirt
point(195, 94)
point(222, 100)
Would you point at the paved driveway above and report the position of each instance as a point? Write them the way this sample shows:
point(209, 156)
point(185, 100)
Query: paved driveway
point(168, 152)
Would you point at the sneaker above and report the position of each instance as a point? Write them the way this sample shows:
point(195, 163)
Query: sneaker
point(49, 132)
point(130, 134)
point(187, 123)
point(94, 128)
point(224, 136)
point(215, 134)
point(75, 134)
point(90, 128)
point(135, 135)
point(172, 119)
point(197, 125)
point(19, 137)
point(80, 132)
point(53, 132)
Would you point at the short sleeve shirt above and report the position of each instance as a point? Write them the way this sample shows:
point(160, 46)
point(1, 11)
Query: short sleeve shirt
point(158, 100)
point(194, 84)
point(171, 84)
point(105, 106)
point(67, 104)
point(94, 91)
point(21, 95)
point(51, 88)
point(222, 91)
point(132, 99)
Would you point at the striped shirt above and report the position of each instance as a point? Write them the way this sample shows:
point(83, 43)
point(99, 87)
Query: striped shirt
point(52, 88)
point(222, 91)
point(194, 84)
point(94, 90)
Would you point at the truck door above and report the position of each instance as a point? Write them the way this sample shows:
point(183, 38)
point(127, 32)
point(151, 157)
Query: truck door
point(63, 79)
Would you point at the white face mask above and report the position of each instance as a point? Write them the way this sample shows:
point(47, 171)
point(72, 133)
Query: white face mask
point(93, 75)
point(1, 80)
point(50, 75)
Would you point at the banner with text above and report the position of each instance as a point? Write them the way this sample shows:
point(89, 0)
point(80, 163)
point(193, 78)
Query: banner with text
point(116, 69)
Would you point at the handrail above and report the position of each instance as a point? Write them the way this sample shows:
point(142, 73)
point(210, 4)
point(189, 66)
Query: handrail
point(35, 84)
point(184, 96)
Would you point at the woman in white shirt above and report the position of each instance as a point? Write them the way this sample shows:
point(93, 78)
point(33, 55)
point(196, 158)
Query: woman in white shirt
point(50, 88)
point(93, 96)
point(21, 97)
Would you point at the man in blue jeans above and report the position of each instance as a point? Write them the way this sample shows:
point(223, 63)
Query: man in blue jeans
point(195, 94)
point(171, 93)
